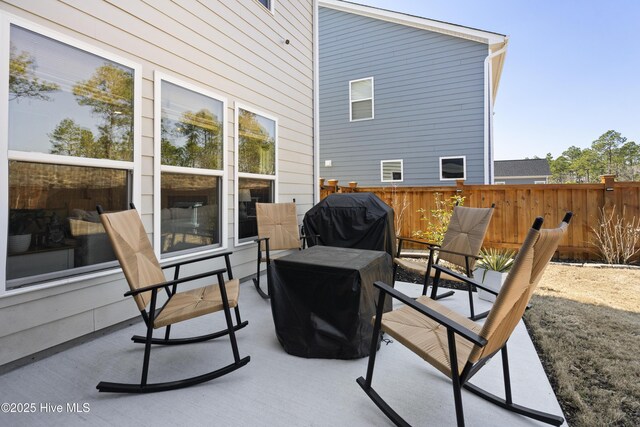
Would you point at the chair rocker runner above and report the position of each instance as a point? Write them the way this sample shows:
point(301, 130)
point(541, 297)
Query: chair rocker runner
point(277, 230)
point(459, 347)
point(145, 277)
point(460, 247)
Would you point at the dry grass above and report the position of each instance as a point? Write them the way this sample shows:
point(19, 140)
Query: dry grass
point(585, 323)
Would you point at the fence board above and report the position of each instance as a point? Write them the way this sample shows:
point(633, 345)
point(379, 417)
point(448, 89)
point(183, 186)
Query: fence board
point(516, 207)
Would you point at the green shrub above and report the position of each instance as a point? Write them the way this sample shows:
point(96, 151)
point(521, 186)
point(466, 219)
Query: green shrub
point(500, 260)
point(438, 221)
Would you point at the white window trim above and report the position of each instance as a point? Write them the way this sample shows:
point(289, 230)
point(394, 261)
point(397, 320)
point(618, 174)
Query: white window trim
point(158, 167)
point(539, 182)
point(382, 162)
point(238, 174)
point(271, 8)
point(6, 19)
point(499, 183)
point(351, 101)
point(464, 167)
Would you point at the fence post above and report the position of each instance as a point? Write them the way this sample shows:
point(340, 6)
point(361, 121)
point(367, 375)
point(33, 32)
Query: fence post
point(459, 187)
point(608, 182)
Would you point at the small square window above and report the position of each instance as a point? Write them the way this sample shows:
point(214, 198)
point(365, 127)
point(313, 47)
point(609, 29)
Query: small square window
point(391, 170)
point(452, 168)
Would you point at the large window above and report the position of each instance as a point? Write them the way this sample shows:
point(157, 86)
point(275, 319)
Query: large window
point(361, 99)
point(70, 146)
point(256, 160)
point(452, 168)
point(192, 166)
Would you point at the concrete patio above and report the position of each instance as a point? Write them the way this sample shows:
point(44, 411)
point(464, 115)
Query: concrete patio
point(274, 389)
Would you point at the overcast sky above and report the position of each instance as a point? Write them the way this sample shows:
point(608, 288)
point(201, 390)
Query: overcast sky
point(572, 69)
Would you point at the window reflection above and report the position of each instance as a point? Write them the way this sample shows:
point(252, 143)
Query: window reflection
point(66, 101)
point(190, 215)
point(256, 144)
point(191, 128)
point(250, 192)
point(53, 224)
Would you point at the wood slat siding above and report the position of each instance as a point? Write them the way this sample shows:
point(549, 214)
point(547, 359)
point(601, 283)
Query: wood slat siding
point(428, 100)
point(233, 48)
point(516, 206)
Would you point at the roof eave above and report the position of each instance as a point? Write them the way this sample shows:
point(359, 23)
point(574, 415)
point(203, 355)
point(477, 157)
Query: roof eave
point(497, 63)
point(454, 30)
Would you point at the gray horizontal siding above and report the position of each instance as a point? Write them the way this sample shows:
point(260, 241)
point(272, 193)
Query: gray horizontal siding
point(428, 95)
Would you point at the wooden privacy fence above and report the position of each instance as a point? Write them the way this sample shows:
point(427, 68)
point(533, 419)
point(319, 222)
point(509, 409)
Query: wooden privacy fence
point(516, 206)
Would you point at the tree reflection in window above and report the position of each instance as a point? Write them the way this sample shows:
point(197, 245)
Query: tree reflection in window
point(66, 101)
point(190, 139)
point(257, 144)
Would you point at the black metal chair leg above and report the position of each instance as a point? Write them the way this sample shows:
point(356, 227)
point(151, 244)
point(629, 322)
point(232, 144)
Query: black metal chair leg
point(365, 384)
point(471, 309)
point(455, 377)
point(227, 316)
point(434, 287)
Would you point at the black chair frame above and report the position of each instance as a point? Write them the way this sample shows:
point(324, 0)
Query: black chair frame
point(256, 280)
point(433, 261)
point(459, 380)
point(148, 316)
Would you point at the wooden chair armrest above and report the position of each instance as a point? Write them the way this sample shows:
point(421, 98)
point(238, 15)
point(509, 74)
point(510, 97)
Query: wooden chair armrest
point(432, 314)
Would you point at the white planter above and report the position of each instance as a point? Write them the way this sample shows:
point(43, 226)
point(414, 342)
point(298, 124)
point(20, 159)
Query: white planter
point(18, 243)
point(491, 279)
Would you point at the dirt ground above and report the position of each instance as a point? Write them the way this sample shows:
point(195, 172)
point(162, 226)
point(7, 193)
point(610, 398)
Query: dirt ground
point(615, 287)
point(609, 286)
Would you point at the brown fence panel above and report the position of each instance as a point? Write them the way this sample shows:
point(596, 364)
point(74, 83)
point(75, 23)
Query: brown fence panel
point(516, 207)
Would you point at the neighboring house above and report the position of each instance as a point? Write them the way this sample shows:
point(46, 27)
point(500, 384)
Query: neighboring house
point(405, 100)
point(522, 171)
point(194, 111)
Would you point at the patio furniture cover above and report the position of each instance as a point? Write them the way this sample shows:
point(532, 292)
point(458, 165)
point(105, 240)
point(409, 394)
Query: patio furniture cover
point(323, 298)
point(352, 220)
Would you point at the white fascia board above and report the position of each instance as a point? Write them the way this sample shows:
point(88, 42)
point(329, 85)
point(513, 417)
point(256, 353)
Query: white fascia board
point(497, 63)
point(416, 21)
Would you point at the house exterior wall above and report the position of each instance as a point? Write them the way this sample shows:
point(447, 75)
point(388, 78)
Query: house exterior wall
point(525, 180)
point(236, 49)
point(428, 100)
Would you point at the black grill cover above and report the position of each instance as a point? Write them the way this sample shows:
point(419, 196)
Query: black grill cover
point(352, 220)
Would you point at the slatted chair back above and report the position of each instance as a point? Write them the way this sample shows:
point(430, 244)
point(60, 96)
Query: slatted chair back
point(278, 222)
point(133, 249)
point(465, 234)
point(531, 261)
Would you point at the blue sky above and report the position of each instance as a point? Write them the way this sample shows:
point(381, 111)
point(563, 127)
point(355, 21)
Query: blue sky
point(572, 70)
